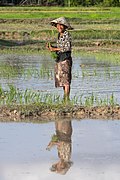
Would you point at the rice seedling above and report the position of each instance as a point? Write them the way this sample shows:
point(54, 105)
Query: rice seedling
point(95, 72)
point(44, 35)
point(14, 96)
point(89, 73)
point(116, 74)
point(93, 100)
point(77, 98)
point(96, 34)
point(112, 58)
point(43, 72)
point(10, 71)
point(112, 100)
point(107, 72)
point(52, 8)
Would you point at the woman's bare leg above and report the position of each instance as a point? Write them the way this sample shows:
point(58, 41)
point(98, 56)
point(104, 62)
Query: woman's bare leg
point(66, 92)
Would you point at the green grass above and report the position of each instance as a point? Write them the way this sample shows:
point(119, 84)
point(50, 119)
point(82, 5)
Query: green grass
point(41, 36)
point(78, 34)
point(78, 25)
point(82, 13)
point(96, 34)
point(52, 8)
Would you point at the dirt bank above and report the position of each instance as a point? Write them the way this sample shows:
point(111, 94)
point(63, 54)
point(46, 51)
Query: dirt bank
point(72, 20)
point(78, 112)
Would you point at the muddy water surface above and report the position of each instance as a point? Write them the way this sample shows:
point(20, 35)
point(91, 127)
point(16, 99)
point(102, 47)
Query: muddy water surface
point(89, 75)
point(95, 151)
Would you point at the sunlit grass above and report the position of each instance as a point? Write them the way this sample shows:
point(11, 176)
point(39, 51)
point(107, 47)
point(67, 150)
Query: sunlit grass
point(43, 12)
point(52, 8)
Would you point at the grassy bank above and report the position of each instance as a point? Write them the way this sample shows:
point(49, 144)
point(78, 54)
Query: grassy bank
point(17, 105)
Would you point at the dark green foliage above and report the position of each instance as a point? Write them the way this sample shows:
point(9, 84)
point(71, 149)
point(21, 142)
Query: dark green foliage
point(91, 2)
point(64, 2)
point(80, 2)
point(111, 2)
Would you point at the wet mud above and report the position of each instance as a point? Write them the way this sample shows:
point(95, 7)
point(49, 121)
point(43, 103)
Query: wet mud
point(78, 112)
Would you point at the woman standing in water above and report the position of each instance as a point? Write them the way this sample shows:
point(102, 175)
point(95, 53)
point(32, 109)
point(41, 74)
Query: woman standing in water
point(63, 64)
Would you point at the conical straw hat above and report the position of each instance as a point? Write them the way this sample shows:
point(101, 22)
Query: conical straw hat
point(62, 21)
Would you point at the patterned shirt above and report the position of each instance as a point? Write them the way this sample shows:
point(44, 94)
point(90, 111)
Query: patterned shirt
point(64, 42)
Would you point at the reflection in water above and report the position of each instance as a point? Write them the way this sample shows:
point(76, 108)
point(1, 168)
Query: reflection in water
point(62, 139)
point(96, 152)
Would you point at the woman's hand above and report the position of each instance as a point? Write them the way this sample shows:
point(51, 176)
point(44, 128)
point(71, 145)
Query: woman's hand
point(49, 47)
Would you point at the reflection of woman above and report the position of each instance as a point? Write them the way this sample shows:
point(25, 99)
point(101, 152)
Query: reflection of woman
point(63, 60)
point(62, 140)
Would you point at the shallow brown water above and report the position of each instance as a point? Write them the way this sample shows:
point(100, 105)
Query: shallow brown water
point(95, 151)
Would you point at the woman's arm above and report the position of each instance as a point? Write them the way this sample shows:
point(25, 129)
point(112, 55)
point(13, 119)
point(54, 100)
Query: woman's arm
point(51, 48)
point(54, 49)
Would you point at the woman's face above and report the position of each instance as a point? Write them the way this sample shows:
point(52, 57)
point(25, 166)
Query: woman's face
point(60, 28)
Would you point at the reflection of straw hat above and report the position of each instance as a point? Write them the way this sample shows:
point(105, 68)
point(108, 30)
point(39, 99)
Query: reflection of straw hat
point(62, 21)
point(61, 170)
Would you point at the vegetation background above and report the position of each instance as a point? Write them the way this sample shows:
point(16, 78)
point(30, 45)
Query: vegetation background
point(65, 2)
point(81, 2)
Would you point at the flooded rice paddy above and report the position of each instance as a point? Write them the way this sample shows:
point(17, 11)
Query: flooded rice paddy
point(95, 151)
point(86, 149)
point(90, 75)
